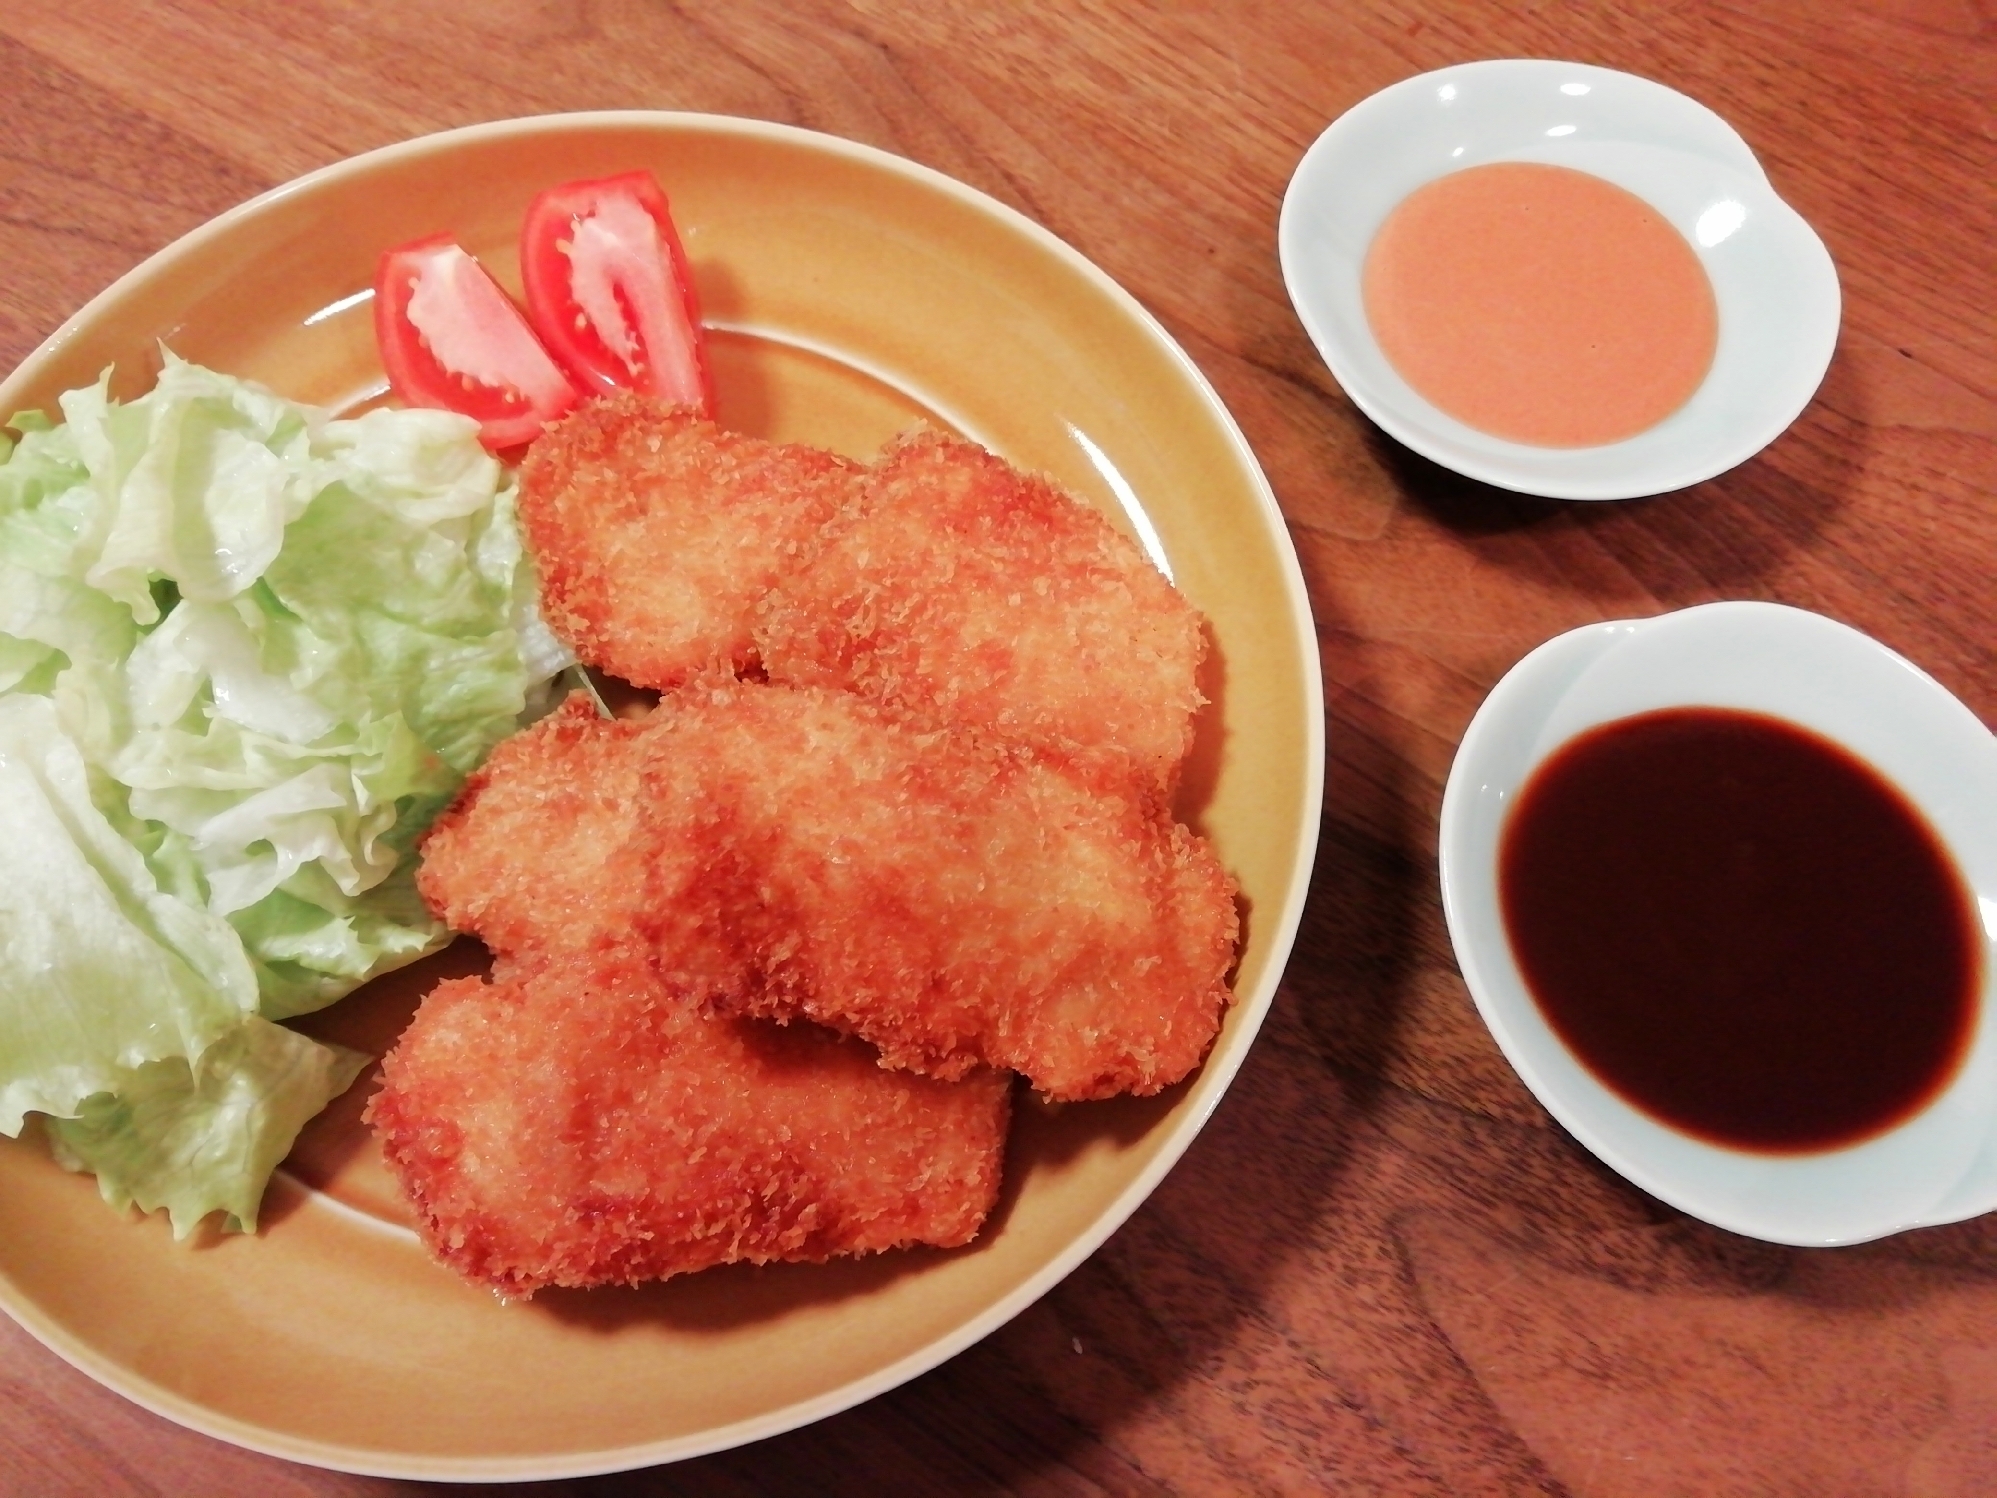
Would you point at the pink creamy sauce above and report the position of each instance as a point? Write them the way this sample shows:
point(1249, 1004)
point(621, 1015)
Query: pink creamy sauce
point(1540, 304)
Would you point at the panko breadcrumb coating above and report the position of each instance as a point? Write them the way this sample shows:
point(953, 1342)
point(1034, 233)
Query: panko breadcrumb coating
point(657, 533)
point(956, 899)
point(940, 581)
point(576, 1121)
point(563, 1126)
point(535, 855)
point(959, 590)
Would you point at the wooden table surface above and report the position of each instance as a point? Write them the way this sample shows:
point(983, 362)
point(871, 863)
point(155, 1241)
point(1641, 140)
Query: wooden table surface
point(1381, 1268)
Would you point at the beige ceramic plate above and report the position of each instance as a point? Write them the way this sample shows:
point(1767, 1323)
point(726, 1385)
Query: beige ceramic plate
point(853, 293)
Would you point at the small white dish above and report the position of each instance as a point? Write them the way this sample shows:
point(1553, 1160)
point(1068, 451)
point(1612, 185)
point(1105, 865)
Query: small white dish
point(1777, 289)
point(1938, 1166)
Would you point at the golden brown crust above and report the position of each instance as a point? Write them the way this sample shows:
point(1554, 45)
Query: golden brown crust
point(940, 581)
point(956, 899)
point(564, 1125)
point(657, 533)
point(576, 1122)
point(959, 590)
point(534, 854)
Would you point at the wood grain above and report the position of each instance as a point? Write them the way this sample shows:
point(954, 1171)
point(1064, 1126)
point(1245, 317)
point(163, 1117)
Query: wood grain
point(1381, 1268)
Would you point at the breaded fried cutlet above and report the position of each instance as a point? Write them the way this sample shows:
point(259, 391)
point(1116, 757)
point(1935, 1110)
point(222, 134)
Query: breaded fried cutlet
point(557, 1126)
point(533, 855)
point(956, 899)
point(960, 590)
point(657, 533)
point(544, 853)
point(576, 1121)
point(939, 581)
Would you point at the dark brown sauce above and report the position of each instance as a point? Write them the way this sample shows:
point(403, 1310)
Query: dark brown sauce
point(1741, 928)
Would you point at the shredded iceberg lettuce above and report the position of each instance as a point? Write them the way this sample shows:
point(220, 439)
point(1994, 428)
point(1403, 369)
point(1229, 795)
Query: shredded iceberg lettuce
point(247, 652)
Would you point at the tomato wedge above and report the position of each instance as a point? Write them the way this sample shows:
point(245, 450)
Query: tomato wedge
point(609, 290)
point(451, 338)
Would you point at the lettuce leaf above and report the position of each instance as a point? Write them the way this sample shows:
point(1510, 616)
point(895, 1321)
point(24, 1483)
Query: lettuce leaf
point(104, 971)
point(248, 651)
point(197, 1137)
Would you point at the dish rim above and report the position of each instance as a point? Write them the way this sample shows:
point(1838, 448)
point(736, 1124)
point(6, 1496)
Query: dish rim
point(1211, 1081)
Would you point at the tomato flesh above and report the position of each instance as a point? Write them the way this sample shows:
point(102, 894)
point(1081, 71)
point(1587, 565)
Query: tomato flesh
point(452, 339)
point(610, 292)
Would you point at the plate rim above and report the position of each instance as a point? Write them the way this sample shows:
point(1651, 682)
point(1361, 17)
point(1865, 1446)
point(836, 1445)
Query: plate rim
point(1210, 1082)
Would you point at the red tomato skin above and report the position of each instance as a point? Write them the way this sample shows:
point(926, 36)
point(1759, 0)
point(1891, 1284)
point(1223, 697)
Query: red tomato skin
point(419, 378)
point(575, 341)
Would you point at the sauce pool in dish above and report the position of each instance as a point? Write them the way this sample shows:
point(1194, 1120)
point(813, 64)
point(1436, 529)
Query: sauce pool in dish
point(1740, 928)
point(1540, 304)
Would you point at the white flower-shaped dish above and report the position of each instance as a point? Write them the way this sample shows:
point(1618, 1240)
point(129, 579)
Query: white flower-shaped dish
point(1772, 277)
point(1939, 1166)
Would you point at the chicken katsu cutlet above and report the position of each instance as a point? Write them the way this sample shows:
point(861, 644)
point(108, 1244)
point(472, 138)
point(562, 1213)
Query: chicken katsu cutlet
point(566, 1126)
point(575, 1121)
point(657, 533)
point(940, 581)
point(959, 590)
point(543, 852)
point(957, 899)
point(535, 853)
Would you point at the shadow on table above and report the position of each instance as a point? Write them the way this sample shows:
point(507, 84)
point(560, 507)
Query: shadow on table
point(1721, 538)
